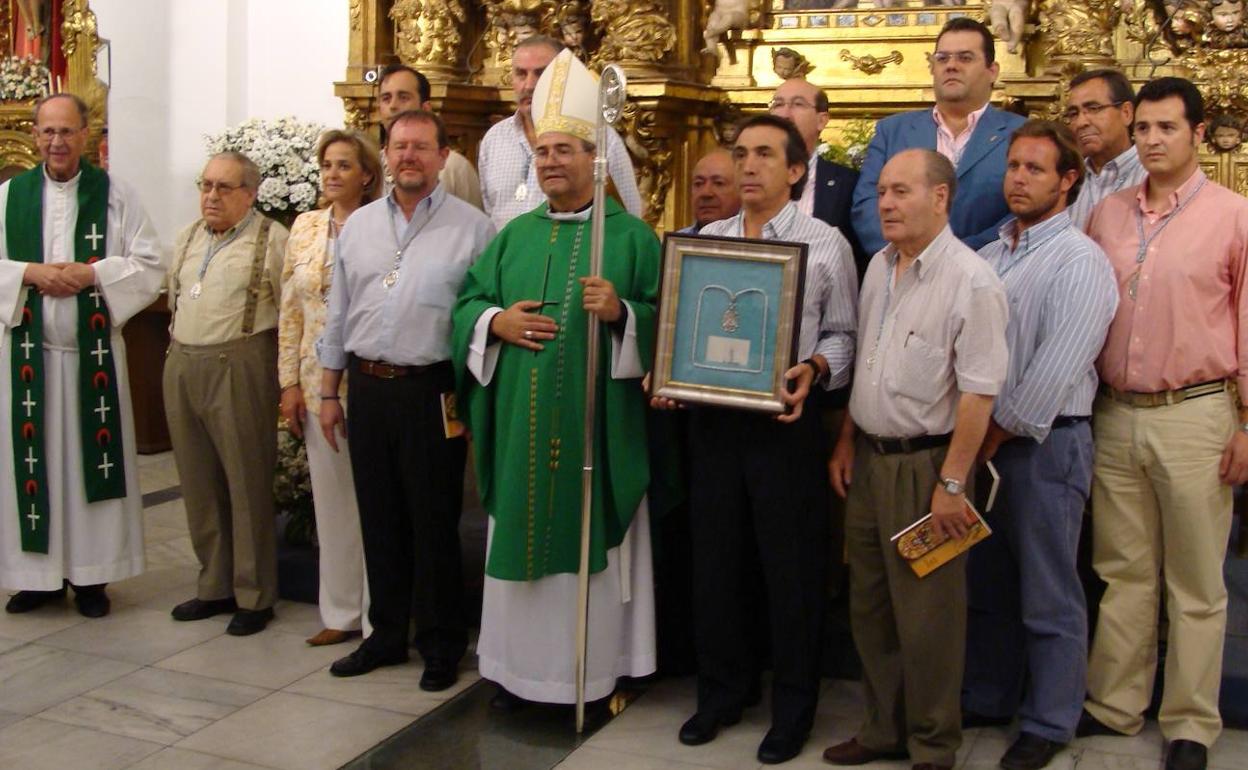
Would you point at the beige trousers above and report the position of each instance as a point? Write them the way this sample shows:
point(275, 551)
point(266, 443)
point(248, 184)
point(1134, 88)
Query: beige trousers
point(1159, 508)
point(221, 403)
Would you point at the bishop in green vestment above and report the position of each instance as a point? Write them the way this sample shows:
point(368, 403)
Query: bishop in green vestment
point(520, 334)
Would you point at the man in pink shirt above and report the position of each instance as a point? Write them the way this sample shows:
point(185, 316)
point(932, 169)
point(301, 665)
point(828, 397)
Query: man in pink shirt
point(1171, 435)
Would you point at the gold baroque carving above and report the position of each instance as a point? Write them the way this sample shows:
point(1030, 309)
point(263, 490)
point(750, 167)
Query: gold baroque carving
point(870, 64)
point(355, 113)
point(636, 32)
point(1079, 29)
point(356, 8)
point(79, 20)
point(651, 158)
point(427, 31)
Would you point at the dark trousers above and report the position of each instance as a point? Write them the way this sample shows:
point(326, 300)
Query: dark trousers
point(409, 483)
point(758, 483)
point(1027, 639)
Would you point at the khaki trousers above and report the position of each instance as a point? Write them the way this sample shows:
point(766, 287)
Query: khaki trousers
point(910, 632)
point(1159, 508)
point(221, 403)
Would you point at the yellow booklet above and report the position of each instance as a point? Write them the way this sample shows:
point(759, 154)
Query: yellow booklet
point(926, 551)
point(452, 426)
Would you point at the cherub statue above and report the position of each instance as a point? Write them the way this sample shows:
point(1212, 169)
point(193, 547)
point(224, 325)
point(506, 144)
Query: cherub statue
point(726, 15)
point(787, 63)
point(1226, 24)
point(574, 29)
point(1225, 133)
point(522, 26)
point(1008, 19)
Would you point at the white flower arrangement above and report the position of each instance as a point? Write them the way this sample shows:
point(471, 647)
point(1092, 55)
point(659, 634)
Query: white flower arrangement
point(22, 78)
point(285, 151)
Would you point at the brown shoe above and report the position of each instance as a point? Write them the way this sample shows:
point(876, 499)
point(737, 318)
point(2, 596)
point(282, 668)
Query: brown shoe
point(851, 752)
point(328, 636)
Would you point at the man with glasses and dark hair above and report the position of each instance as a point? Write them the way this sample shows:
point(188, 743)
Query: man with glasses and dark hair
point(1099, 115)
point(221, 394)
point(1171, 434)
point(962, 126)
point(402, 88)
point(1027, 636)
point(78, 258)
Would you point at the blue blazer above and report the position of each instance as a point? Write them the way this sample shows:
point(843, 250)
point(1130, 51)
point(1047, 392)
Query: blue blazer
point(978, 205)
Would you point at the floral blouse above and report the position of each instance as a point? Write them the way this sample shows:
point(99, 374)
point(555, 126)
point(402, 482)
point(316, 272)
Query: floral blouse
point(306, 279)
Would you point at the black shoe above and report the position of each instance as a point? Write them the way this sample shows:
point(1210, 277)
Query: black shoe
point(703, 726)
point(1090, 726)
point(439, 674)
point(507, 702)
point(91, 601)
point(972, 719)
point(780, 746)
point(199, 609)
point(1030, 752)
point(25, 601)
point(364, 660)
point(248, 622)
point(1186, 755)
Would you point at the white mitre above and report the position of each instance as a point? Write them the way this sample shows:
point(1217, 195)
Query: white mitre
point(566, 98)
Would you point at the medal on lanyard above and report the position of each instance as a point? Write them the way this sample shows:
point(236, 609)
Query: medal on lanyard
point(522, 192)
point(1133, 283)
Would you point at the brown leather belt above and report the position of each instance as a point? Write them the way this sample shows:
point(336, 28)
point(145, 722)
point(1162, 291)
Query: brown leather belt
point(386, 371)
point(1164, 397)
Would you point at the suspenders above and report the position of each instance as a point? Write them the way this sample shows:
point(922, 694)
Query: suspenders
point(257, 271)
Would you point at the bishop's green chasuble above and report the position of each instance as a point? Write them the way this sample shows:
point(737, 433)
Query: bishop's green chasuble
point(527, 424)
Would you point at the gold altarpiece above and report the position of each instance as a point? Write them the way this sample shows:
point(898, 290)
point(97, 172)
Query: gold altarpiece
point(871, 61)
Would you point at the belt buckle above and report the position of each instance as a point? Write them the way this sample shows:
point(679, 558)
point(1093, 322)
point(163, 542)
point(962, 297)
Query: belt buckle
point(878, 445)
point(385, 371)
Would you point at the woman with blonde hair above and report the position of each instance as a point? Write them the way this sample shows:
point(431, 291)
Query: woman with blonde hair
point(351, 176)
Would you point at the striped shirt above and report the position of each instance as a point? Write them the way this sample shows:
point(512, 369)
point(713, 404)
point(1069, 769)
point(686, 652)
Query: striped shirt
point(509, 185)
point(1062, 296)
point(1120, 173)
point(830, 302)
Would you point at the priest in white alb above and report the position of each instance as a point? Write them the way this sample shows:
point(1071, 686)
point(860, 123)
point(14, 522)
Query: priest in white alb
point(78, 258)
point(519, 342)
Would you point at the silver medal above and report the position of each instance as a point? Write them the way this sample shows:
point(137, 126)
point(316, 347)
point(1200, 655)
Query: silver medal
point(391, 279)
point(196, 290)
point(522, 192)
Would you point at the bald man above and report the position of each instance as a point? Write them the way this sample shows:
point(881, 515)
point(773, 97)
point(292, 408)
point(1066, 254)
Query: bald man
point(714, 193)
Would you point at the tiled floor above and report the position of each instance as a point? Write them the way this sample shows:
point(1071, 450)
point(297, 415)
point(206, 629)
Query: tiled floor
point(138, 690)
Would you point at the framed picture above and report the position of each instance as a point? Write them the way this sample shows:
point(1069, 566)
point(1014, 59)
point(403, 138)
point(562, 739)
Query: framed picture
point(729, 319)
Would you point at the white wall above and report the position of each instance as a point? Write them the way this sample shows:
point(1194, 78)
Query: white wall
point(185, 68)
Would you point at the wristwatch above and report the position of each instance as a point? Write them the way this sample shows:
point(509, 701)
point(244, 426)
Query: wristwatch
point(1243, 428)
point(953, 486)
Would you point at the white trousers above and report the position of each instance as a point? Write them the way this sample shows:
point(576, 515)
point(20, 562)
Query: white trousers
point(344, 585)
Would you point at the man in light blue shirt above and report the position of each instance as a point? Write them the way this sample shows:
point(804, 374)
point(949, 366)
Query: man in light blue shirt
point(400, 263)
point(1027, 624)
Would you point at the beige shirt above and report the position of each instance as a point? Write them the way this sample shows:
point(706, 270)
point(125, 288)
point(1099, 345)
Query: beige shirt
point(216, 316)
point(460, 179)
point(924, 339)
point(306, 279)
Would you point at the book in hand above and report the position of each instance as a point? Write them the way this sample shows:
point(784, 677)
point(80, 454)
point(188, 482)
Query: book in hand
point(452, 426)
point(925, 550)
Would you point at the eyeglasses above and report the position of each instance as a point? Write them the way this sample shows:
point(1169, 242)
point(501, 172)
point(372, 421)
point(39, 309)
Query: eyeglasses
point(206, 187)
point(963, 57)
point(796, 104)
point(1091, 110)
point(51, 134)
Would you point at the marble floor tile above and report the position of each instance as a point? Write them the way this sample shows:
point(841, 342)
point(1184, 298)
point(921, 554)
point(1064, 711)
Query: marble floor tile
point(176, 552)
point(171, 514)
point(588, 758)
point(393, 688)
point(8, 718)
point(153, 534)
point(29, 626)
point(8, 644)
point(154, 705)
point(992, 743)
point(39, 744)
point(34, 677)
point(154, 583)
point(1230, 752)
point(301, 619)
point(1148, 744)
point(269, 659)
point(182, 759)
point(296, 732)
point(157, 476)
point(136, 635)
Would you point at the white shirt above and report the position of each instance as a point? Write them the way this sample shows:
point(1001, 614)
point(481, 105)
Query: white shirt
point(1120, 173)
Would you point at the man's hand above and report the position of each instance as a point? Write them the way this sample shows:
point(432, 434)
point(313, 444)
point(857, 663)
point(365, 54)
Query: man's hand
point(598, 297)
point(841, 466)
point(51, 280)
point(993, 440)
point(294, 411)
point(520, 326)
point(79, 274)
point(948, 514)
point(1234, 466)
point(658, 402)
point(803, 375)
point(331, 418)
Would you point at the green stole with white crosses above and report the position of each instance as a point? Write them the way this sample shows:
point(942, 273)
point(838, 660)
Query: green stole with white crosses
point(99, 409)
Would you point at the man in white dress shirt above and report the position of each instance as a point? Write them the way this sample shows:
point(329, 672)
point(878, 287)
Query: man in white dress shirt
point(509, 185)
point(78, 258)
point(1099, 115)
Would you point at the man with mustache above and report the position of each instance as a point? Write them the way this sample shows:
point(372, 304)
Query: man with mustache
point(962, 126)
point(509, 182)
point(1099, 114)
